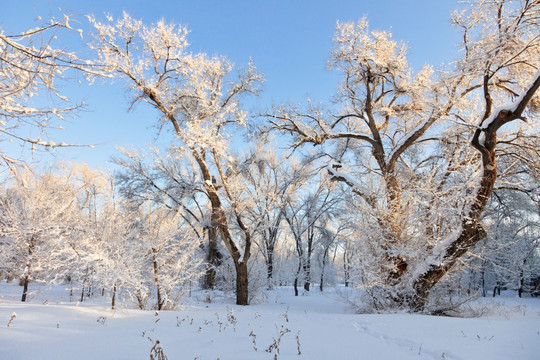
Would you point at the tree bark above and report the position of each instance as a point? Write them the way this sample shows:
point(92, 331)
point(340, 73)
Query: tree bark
point(160, 300)
point(113, 301)
point(28, 269)
point(307, 266)
point(297, 275)
point(346, 266)
point(213, 260)
point(220, 222)
point(26, 281)
point(242, 288)
point(270, 267)
point(321, 285)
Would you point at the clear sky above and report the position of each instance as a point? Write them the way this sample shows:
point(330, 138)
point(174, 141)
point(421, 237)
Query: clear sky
point(288, 40)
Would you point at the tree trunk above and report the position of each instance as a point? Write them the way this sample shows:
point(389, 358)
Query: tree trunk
point(242, 288)
point(156, 279)
point(346, 267)
point(307, 276)
point(28, 268)
point(140, 300)
point(521, 283)
point(113, 301)
point(300, 264)
point(270, 267)
point(213, 260)
point(324, 259)
point(483, 275)
point(220, 222)
point(307, 267)
point(321, 285)
point(26, 281)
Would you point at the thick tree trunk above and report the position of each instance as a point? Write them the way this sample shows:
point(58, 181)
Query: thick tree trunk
point(213, 260)
point(521, 283)
point(220, 222)
point(321, 284)
point(307, 276)
point(242, 288)
point(422, 286)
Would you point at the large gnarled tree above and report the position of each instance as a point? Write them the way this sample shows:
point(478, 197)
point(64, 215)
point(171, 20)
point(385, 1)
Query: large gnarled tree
point(399, 141)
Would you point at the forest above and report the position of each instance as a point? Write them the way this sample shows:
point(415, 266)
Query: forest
point(418, 189)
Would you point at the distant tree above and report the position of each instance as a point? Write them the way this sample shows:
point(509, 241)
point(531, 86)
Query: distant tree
point(167, 254)
point(269, 181)
point(511, 256)
point(333, 231)
point(170, 182)
point(37, 213)
point(304, 212)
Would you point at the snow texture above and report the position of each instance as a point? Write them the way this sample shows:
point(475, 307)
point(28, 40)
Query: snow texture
point(319, 326)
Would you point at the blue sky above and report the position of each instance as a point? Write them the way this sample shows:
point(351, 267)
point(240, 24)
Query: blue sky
point(288, 40)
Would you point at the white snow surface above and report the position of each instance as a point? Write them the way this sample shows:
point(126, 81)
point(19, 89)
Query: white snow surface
point(49, 327)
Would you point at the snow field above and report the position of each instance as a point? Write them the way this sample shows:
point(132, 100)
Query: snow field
point(319, 326)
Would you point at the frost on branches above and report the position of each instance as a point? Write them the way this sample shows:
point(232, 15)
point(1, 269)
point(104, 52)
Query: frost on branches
point(199, 97)
point(36, 221)
point(31, 66)
point(399, 141)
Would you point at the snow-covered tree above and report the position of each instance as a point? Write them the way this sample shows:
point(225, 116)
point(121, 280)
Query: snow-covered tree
point(37, 217)
point(306, 212)
point(172, 183)
point(511, 253)
point(334, 231)
point(269, 180)
point(198, 96)
point(164, 254)
point(399, 140)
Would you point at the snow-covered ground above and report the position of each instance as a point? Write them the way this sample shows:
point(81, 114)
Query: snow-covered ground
point(314, 326)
